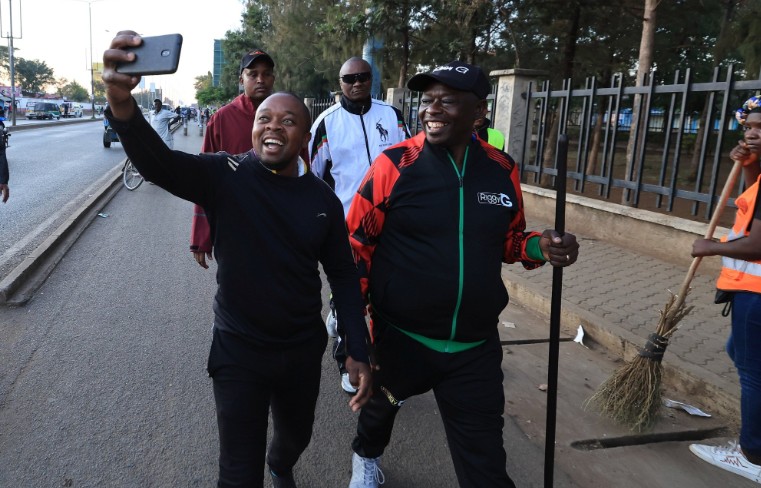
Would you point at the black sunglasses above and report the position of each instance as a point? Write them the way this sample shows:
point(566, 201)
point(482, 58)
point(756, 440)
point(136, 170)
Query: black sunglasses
point(357, 77)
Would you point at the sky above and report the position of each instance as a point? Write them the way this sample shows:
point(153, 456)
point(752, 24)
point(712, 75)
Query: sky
point(58, 33)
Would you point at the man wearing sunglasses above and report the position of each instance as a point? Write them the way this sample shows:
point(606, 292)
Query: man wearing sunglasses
point(346, 138)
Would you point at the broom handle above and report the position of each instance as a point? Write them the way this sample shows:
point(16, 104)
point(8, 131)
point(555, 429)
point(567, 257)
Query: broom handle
point(731, 179)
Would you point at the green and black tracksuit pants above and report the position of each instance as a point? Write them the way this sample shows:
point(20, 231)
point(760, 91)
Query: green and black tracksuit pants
point(468, 389)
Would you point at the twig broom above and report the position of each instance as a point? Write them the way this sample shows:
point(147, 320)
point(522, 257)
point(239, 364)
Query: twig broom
point(632, 395)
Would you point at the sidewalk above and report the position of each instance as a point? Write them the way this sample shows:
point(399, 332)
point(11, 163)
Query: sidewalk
point(616, 295)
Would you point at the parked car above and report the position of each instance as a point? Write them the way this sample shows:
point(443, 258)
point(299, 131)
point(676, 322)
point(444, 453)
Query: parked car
point(43, 110)
point(71, 109)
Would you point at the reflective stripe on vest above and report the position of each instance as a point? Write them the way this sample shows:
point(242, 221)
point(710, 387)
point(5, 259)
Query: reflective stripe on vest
point(738, 274)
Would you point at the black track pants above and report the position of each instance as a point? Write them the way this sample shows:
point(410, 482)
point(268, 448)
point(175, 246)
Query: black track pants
point(248, 381)
point(469, 392)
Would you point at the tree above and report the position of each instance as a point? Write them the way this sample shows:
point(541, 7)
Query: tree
point(255, 24)
point(5, 62)
point(211, 95)
point(204, 81)
point(100, 91)
point(72, 91)
point(644, 65)
point(33, 75)
point(312, 71)
point(747, 31)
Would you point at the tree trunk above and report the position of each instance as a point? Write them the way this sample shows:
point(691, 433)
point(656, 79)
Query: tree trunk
point(405, 32)
point(720, 51)
point(569, 53)
point(594, 148)
point(644, 64)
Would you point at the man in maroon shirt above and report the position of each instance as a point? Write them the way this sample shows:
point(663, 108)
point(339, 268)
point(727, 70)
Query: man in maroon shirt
point(229, 130)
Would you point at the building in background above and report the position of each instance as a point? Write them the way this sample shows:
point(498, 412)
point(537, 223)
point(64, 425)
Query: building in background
point(219, 62)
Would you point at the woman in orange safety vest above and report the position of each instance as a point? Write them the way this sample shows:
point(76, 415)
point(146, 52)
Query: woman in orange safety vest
point(741, 277)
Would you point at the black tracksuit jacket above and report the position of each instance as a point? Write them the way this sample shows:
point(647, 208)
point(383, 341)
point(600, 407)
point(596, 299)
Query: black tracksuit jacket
point(270, 233)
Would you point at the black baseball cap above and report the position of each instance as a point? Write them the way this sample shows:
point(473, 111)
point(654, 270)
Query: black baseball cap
point(458, 75)
point(252, 56)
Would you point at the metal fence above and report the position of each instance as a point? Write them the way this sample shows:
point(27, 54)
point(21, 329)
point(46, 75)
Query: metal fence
point(681, 167)
point(319, 105)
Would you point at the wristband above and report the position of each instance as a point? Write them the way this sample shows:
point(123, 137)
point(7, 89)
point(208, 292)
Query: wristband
point(533, 250)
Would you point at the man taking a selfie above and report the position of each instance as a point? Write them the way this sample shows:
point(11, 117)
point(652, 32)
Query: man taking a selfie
point(275, 224)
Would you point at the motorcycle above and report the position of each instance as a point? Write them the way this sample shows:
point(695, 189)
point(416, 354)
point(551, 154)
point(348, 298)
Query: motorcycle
point(4, 134)
point(109, 134)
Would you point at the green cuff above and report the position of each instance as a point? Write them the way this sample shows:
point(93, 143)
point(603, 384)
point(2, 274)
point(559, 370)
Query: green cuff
point(533, 250)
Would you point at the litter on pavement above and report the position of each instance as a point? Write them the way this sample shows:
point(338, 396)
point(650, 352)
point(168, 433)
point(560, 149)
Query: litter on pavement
point(687, 408)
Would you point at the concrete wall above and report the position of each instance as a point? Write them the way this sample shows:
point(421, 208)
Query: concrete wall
point(661, 236)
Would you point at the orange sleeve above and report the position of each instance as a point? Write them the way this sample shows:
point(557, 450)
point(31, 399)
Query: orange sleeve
point(368, 213)
point(517, 237)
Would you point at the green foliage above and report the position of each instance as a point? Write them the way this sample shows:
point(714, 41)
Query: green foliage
point(310, 39)
point(100, 90)
point(33, 75)
point(255, 25)
point(204, 81)
point(747, 32)
point(73, 91)
point(211, 95)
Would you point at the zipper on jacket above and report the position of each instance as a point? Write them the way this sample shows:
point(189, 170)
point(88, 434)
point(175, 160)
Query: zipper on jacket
point(364, 133)
point(461, 270)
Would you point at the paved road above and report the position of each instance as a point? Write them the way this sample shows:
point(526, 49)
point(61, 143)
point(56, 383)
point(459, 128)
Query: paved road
point(53, 168)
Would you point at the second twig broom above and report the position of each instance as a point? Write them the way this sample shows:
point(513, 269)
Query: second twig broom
point(632, 395)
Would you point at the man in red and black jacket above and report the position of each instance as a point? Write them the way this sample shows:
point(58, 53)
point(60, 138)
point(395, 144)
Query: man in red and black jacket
point(431, 225)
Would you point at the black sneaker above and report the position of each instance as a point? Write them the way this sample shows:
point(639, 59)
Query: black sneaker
point(283, 480)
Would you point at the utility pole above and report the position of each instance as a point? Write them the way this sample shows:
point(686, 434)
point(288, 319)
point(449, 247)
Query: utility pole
point(10, 37)
point(92, 68)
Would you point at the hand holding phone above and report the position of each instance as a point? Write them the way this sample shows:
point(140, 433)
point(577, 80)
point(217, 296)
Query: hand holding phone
point(157, 55)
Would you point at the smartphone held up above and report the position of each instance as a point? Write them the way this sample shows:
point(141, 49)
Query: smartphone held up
point(157, 55)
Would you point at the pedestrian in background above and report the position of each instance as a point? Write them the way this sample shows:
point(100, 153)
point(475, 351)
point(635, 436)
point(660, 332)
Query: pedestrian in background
point(346, 138)
point(229, 130)
point(5, 191)
point(275, 225)
point(431, 225)
point(485, 132)
point(161, 121)
point(740, 282)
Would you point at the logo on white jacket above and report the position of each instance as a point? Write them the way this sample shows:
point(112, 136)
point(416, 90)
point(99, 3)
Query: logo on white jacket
point(495, 199)
point(383, 132)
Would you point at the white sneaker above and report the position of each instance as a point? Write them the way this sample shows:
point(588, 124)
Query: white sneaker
point(365, 472)
point(729, 458)
point(331, 324)
point(346, 384)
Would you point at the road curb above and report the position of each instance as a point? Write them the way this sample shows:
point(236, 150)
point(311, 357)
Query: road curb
point(717, 395)
point(45, 125)
point(18, 287)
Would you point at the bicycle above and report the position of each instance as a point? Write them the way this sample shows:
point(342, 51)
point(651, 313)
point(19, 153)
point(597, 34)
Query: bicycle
point(131, 176)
